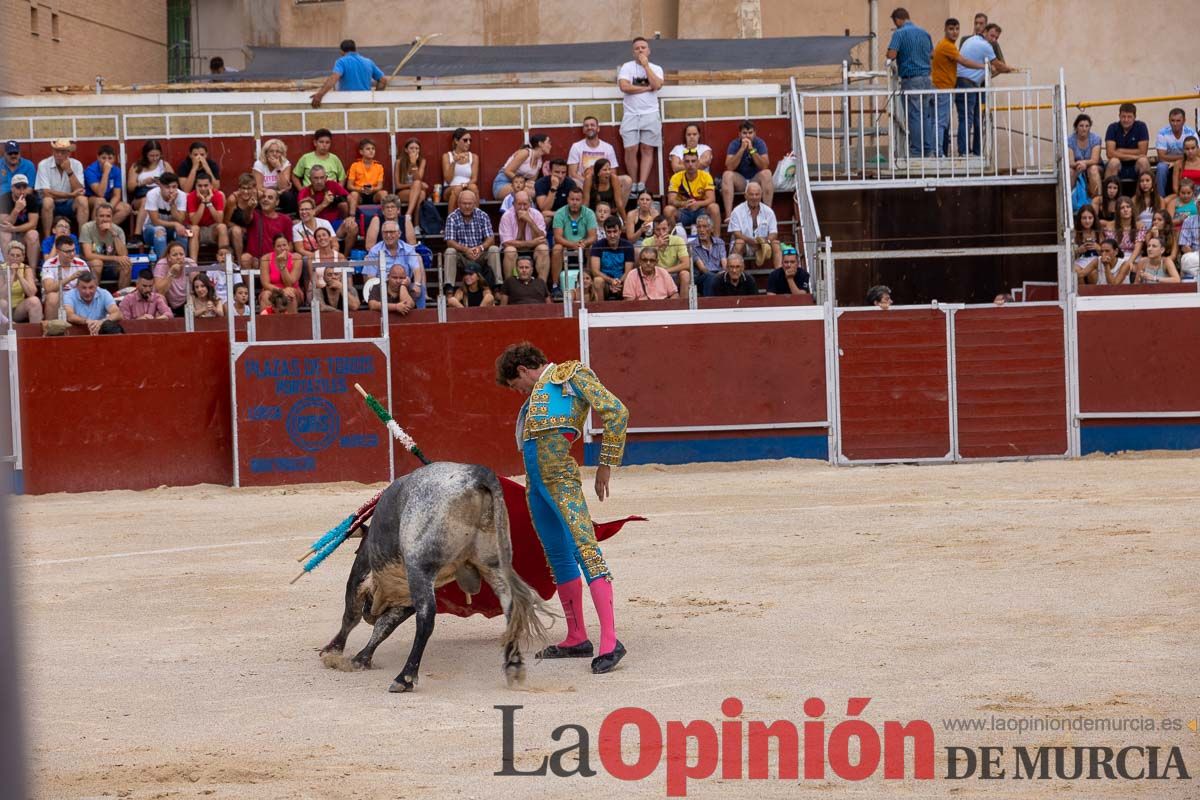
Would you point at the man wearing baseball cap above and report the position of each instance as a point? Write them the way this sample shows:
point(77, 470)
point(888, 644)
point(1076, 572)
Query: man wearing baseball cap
point(19, 211)
point(14, 164)
point(60, 184)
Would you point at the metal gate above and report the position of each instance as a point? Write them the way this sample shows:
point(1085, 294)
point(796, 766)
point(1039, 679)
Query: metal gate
point(10, 402)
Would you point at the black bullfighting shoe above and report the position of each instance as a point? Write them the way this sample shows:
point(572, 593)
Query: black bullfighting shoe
point(582, 650)
point(606, 662)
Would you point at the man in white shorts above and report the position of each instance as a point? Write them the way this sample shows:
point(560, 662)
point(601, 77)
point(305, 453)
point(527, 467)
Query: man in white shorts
point(641, 126)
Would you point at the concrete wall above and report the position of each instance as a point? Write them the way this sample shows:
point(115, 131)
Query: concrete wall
point(219, 29)
point(95, 37)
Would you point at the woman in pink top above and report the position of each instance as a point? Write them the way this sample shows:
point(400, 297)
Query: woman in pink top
point(282, 270)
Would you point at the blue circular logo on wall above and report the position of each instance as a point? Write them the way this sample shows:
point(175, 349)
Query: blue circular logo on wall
point(313, 424)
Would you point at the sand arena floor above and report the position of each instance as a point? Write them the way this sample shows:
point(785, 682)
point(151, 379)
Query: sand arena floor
point(167, 656)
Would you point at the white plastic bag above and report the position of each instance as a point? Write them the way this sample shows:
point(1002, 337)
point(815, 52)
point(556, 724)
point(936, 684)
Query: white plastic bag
point(785, 174)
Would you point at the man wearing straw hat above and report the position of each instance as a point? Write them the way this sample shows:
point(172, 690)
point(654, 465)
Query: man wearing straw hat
point(553, 416)
point(60, 184)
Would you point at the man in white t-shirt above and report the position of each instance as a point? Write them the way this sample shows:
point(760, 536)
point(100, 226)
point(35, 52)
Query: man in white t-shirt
point(755, 231)
point(590, 149)
point(641, 126)
point(166, 215)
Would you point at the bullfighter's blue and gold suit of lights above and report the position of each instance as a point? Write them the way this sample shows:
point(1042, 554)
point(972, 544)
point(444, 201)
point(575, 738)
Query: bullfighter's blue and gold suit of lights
point(552, 417)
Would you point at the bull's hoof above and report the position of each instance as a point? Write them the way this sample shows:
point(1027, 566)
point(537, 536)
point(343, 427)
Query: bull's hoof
point(606, 662)
point(514, 674)
point(359, 663)
point(333, 648)
point(401, 685)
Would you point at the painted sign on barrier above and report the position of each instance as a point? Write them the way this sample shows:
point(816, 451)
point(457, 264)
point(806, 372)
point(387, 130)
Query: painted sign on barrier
point(299, 419)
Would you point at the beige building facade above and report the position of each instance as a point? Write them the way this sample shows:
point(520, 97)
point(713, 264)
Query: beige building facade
point(71, 42)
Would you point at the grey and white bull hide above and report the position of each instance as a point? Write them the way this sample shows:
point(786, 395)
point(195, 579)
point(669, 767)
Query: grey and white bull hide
point(443, 522)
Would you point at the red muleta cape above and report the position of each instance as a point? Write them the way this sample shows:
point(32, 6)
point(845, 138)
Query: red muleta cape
point(529, 559)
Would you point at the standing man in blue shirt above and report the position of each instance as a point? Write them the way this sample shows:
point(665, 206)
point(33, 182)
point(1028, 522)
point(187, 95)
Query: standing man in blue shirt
point(351, 73)
point(980, 49)
point(912, 49)
point(14, 163)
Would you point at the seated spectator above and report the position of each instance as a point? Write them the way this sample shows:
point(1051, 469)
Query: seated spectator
point(460, 170)
point(527, 161)
point(104, 248)
point(239, 211)
point(469, 238)
point(1085, 154)
point(399, 300)
point(524, 288)
point(1189, 236)
point(203, 297)
point(612, 258)
point(166, 215)
point(102, 184)
point(587, 151)
point(649, 281)
point(60, 185)
point(1145, 200)
point(265, 224)
point(196, 164)
point(330, 203)
point(754, 230)
point(709, 254)
point(574, 231)
point(603, 211)
point(519, 184)
point(1155, 267)
point(396, 252)
point(791, 278)
point(879, 296)
point(171, 276)
point(241, 300)
point(523, 231)
point(21, 297)
point(143, 176)
point(15, 164)
point(365, 177)
point(1105, 203)
point(1162, 229)
point(389, 211)
point(639, 223)
point(326, 252)
point(143, 302)
point(61, 227)
point(1126, 143)
point(552, 190)
point(410, 179)
point(691, 194)
point(217, 275)
point(734, 280)
point(205, 209)
point(691, 141)
point(1168, 148)
point(1125, 230)
point(1106, 269)
point(282, 270)
point(333, 293)
point(474, 291)
point(277, 303)
point(59, 274)
point(19, 211)
point(747, 162)
point(216, 66)
point(600, 185)
point(1087, 237)
point(1182, 205)
point(88, 305)
point(272, 170)
point(672, 252)
point(1188, 167)
point(320, 156)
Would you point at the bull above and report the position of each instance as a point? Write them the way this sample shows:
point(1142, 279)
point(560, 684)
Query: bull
point(444, 522)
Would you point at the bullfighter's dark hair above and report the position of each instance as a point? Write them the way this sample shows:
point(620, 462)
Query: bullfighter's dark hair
point(521, 354)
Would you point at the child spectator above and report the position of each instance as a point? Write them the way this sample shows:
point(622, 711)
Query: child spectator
point(365, 178)
point(196, 164)
point(281, 271)
point(519, 184)
point(277, 303)
point(1188, 167)
point(691, 141)
point(460, 170)
point(1105, 204)
point(1145, 200)
point(320, 156)
point(241, 300)
point(102, 181)
point(1087, 237)
point(206, 209)
point(603, 212)
point(409, 177)
point(1183, 205)
point(239, 211)
point(1125, 230)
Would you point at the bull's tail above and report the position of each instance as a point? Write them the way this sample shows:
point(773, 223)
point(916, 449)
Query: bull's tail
point(531, 617)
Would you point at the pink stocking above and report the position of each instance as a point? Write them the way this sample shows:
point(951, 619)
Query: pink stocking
point(602, 598)
point(570, 594)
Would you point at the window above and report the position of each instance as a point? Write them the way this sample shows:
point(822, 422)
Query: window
point(33, 20)
point(54, 26)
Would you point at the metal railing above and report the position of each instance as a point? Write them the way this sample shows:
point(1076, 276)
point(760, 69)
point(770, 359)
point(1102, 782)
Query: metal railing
point(810, 228)
point(879, 135)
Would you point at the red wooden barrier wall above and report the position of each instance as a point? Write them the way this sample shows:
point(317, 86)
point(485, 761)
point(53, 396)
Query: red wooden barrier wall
point(1011, 380)
point(1139, 360)
point(894, 384)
